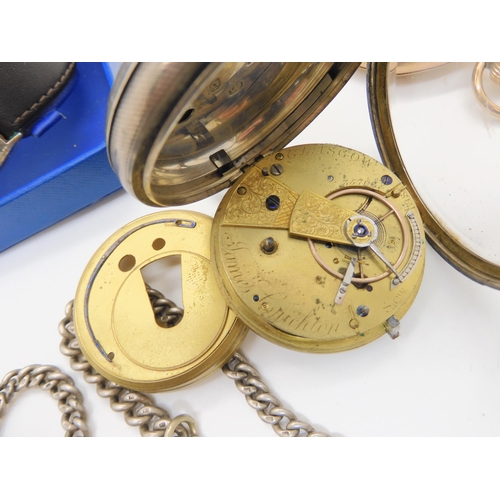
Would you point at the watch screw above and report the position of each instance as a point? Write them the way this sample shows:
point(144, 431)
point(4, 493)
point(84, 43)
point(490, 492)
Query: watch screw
point(279, 156)
point(276, 169)
point(273, 202)
point(269, 245)
point(363, 311)
point(386, 179)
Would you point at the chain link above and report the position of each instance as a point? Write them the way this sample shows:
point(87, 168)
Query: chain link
point(61, 387)
point(268, 407)
point(138, 409)
point(166, 312)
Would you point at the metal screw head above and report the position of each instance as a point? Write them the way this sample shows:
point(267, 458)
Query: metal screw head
point(269, 245)
point(360, 230)
point(362, 311)
point(276, 169)
point(273, 202)
point(265, 172)
point(386, 179)
point(242, 190)
point(279, 156)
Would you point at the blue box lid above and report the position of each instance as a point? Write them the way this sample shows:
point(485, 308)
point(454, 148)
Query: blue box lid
point(47, 178)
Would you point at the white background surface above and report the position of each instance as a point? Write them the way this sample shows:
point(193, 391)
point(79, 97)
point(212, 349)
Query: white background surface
point(440, 378)
point(449, 144)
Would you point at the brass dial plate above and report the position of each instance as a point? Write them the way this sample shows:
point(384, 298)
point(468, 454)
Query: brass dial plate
point(115, 322)
point(319, 248)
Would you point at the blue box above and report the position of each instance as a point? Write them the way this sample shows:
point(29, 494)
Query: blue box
point(45, 179)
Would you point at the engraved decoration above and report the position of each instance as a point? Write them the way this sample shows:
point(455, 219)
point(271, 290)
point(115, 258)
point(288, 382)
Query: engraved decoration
point(317, 217)
point(247, 206)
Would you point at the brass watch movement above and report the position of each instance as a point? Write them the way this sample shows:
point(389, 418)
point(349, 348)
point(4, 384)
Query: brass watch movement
point(319, 248)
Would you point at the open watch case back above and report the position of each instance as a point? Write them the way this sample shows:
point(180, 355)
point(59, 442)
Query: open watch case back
point(375, 390)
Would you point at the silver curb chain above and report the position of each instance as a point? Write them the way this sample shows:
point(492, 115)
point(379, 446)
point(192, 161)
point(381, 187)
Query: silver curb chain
point(268, 407)
point(61, 387)
point(138, 409)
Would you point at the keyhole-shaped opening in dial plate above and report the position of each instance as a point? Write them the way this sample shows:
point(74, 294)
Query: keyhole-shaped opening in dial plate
point(165, 276)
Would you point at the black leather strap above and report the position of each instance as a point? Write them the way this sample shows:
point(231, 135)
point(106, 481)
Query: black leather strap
point(26, 89)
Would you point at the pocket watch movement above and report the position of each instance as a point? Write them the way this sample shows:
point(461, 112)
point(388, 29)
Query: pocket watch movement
point(319, 248)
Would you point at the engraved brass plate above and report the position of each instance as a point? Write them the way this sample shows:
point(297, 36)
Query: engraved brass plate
point(319, 248)
point(115, 321)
